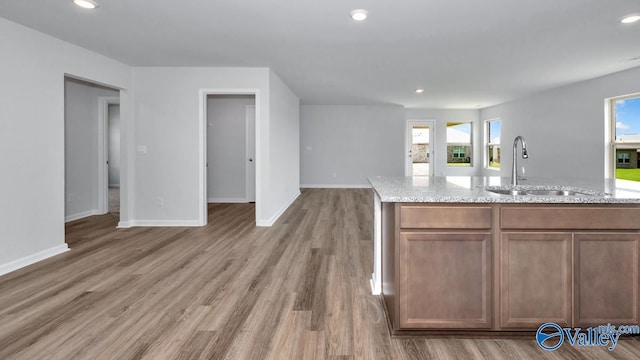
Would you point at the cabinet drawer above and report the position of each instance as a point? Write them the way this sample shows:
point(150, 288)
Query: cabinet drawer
point(570, 218)
point(445, 217)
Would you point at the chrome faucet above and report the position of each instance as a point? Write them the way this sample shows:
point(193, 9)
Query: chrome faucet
point(514, 165)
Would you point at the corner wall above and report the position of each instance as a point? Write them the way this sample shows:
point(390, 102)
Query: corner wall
point(282, 174)
point(564, 127)
point(169, 103)
point(32, 137)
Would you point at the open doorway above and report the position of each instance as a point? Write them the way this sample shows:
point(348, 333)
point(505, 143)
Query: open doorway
point(113, 156)
point(92, 130)
point(230, 149)
point(419, 144)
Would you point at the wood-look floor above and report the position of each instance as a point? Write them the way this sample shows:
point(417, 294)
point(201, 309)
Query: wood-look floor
point(230, 290)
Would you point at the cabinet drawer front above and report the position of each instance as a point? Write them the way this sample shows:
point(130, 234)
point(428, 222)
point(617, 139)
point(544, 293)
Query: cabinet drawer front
point(445, 217)
point(570, 218)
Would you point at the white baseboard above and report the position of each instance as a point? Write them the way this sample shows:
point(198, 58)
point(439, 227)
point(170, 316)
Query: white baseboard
point(124, 224)
point(33, 258)
point(81, 215)
point(279, 213)
point(159, 223)
point(227, 200)
point(335, 186)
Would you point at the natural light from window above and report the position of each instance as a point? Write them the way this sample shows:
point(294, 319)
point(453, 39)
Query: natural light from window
point(493, 128)
point(459, 144)
point(626, 143)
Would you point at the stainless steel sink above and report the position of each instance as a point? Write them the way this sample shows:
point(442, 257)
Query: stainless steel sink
point(508, 192)
point(538, 192)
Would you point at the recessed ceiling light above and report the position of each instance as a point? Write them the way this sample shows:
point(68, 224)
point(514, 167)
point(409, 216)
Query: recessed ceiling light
point(419, 90)
point(87, 4)
point(630, 19)
point(359, 14)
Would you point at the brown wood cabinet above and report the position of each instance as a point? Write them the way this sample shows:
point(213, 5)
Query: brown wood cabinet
point(444, 280)
point(573, 265)
point(535, 279)
point(605, 278)
point(503, 267)
point(437, 266)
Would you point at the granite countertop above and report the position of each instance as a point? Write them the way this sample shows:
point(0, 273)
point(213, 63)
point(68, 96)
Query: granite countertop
point(471, 189)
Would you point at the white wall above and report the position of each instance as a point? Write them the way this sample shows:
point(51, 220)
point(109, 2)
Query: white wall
point(81, 147)
point(226, 147)
point(114, 144)
point(441, 118)
point(32, 137)
point(283, 169)
point(169, 103)
point(350, 142)
point(564, 127)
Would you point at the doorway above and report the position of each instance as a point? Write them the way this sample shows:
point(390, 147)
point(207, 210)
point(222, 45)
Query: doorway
point(230, 144)
point(420, 147)
point(250, 153)
point(86, 113)
point(113, 157)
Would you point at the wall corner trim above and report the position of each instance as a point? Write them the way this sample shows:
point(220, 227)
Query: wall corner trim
point(32, 259)
point(124, 225)
point(279, 213)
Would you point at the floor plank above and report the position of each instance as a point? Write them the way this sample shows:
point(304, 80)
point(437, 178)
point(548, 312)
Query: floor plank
point(229, 290)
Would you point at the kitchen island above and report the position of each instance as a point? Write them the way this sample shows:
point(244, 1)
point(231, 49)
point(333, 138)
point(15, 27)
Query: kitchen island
point(475, 254)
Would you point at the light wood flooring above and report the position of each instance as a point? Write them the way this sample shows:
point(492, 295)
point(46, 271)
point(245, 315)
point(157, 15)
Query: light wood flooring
point(297, 290)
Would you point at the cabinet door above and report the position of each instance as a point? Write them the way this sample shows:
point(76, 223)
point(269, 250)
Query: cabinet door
point(535, 279)
point(445, 280)
point(606, 279)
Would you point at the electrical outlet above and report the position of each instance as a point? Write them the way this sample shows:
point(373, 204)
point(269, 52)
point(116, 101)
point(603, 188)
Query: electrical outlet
point(159, 202)
point(335, 175)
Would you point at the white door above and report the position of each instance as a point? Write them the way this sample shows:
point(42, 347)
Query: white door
point(251, 153)
point(420, 148)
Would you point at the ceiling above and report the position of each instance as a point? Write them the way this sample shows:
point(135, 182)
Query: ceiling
point(466, 54)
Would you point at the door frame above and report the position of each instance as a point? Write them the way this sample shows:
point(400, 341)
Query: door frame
point(247, 154)
point(202, 147)
point(103, 150)
point(408, 142)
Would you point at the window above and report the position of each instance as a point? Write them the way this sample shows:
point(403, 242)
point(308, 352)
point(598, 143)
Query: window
point(458, 152)
point(625, 140)
point(493, 128)
point(459, 144)
point(623, 158)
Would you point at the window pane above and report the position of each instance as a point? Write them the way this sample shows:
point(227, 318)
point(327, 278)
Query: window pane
point(494, 128)
point(459, 144)
point(627, 115)
point(420, 150)
point(626, 118)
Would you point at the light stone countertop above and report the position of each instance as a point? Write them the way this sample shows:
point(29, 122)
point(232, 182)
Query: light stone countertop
point(471, 189)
